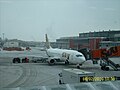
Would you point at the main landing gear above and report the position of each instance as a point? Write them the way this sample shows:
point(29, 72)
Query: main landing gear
point(66, 62)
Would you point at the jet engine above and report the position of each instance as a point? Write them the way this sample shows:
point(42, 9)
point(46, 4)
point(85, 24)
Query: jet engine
point(51, 61)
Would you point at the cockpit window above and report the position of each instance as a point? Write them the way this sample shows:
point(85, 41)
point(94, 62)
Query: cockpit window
point(78, 55)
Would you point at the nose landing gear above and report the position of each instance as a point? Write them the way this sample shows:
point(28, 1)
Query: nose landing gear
point(78, 66)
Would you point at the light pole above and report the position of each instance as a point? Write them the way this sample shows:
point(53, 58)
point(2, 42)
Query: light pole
point(3, 40)
point(3, 36)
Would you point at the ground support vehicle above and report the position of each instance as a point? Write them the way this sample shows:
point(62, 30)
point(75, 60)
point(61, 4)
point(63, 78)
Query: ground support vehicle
point(38, 59)
point(20, 60)
point(29, 59)
point(73, 76)
point(105, 62)
point(103, 55)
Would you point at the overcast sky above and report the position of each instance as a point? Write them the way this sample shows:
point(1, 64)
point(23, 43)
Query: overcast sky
point(31, 19)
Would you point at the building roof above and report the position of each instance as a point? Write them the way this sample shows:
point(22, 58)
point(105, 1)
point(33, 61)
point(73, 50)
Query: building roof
point(110, 42)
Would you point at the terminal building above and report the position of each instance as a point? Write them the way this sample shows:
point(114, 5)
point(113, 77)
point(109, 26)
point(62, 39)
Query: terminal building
point(90, 40)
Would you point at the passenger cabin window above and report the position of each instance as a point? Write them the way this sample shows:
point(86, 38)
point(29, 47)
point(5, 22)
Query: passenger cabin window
point(79, 55)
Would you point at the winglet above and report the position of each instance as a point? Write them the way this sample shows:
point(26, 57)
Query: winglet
point(47, 42)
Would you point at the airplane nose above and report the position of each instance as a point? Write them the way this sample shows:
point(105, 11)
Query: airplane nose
point(84, 59)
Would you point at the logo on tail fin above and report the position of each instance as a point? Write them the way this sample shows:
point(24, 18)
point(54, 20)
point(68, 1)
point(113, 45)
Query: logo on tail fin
point(47, 42)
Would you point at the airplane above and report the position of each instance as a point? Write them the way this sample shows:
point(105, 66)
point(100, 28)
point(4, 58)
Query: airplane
point(63, 55)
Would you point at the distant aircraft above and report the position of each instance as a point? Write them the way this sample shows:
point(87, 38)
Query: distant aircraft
point(63, 55)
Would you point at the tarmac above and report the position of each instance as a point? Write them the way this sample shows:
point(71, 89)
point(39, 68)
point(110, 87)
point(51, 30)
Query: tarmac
point(25, 76)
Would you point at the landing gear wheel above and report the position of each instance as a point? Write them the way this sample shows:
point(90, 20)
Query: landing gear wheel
point(107, 68)
point(14, 60)
point(18, 60)
point(35, 61)
point(103, 68)
point(78, 67)
point(67, 62)
point(117, 65)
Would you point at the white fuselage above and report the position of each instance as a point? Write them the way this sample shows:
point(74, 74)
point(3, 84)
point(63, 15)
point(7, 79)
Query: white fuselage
point(72, 56)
